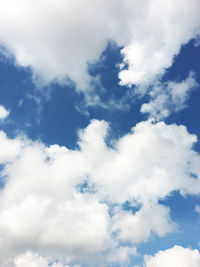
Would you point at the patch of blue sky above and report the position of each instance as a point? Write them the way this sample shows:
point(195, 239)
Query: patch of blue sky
point(86, 187)
point(56, 119)
point(123, 118)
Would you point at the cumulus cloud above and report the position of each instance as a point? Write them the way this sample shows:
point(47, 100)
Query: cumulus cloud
point(58, 38)
point(30, 259)
point(9, 148)
point(3, 112)
point(174, 257)
point(134, 228)
point(169, 97)
point(158, 38)
point(67, 205)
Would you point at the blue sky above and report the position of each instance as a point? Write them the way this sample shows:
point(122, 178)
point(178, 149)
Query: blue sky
point(99, 141)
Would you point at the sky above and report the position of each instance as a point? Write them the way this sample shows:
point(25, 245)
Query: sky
point(100, 130)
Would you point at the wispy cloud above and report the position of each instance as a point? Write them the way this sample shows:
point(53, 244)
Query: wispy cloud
point(169, 97)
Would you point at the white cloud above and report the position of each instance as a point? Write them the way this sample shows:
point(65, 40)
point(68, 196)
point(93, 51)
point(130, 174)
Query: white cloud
point(174, 257)
point(141, 166)
point(134, 228)
point(157, 38)
point(121, 255)
point(43, 210)
point(169, 97)
point(30, 259)
point(9, 148)
point(3, 112)
point(58, 38)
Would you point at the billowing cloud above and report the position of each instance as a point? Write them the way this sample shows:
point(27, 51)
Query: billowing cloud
point(158, 38)
point(68, 204)
point(174, 257)
point(136, 229)
point(95, 203)
point(57, 38)
point(9, 148)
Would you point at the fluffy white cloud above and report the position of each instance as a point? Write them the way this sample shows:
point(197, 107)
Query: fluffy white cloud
point(157, 38)
point(174, 257)
point(9, 148)
point(169, 97)
point(134, 228)
point(140, 165)
point(58, 202)
point(3, 112)
point(57, 38)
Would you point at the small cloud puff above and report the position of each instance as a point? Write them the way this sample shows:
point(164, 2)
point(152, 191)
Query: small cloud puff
point(3, 112)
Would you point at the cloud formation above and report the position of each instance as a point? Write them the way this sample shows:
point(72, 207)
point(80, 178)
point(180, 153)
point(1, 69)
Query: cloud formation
point(174, 257)
point(58, 38)
point(94, 204)
point(67, 205)
point(157, 40)
point(169, 97)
